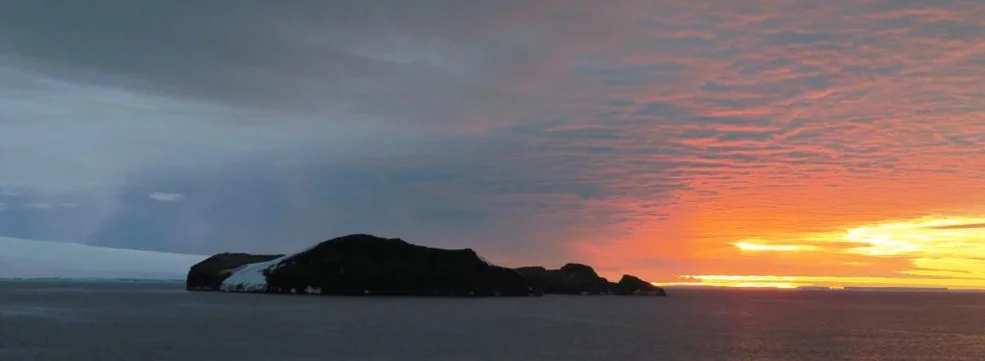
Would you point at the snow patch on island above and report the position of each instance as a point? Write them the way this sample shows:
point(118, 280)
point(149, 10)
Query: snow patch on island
point(252, 277)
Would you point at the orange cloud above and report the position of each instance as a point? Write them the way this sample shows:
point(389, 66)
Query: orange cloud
point(831, 142)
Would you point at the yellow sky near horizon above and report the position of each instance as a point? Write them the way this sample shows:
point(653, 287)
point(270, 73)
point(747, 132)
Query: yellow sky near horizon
point(935, 252)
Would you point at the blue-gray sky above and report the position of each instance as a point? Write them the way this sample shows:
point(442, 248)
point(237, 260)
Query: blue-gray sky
point(634, 135)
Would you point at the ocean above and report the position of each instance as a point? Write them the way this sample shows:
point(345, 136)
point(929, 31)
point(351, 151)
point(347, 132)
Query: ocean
point(78, 321)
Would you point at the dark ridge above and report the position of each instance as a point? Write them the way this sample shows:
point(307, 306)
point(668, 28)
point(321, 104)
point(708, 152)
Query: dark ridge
point(363, 264)
point(579, 279)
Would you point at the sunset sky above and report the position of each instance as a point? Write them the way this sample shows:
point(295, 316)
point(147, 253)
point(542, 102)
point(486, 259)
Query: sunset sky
point(739, 142)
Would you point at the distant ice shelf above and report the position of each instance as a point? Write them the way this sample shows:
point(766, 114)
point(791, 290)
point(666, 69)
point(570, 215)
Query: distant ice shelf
point(23, 259)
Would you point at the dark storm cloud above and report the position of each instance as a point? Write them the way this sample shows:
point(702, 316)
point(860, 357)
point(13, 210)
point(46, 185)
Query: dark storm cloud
point(438, 61)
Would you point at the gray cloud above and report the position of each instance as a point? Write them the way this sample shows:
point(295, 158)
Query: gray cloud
point(531, 130)
point(166, 197)
point(105, 99)
point(427, 62)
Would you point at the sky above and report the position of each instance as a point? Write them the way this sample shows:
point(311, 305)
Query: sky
point(771, 143)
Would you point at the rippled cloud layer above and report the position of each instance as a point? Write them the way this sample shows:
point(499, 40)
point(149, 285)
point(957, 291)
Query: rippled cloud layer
point(833, 142)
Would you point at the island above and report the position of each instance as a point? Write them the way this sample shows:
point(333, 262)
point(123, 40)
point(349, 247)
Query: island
point(363, 264)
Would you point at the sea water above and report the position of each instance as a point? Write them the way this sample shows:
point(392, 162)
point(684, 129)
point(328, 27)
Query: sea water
point(148, 321)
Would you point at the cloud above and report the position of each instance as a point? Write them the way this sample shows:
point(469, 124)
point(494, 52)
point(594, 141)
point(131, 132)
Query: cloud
point(325, 83)
point(428, 62)
point(310, 85)
point(166, 197)
point(961, 226)
point(39, 206)
point(613, 134)
point(48, 206)
point(785, 126)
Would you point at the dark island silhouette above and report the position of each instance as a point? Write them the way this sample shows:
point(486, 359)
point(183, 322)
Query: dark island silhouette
point(362, 264)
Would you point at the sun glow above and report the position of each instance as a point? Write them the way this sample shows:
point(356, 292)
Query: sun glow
point(736, 281)
point(935, 252)
point(754, 247)
point(957, 236)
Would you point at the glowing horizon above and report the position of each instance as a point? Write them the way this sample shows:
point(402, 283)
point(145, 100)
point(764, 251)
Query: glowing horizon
point(941, 251)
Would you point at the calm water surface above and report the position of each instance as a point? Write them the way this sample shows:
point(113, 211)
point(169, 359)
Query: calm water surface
point(106, 322)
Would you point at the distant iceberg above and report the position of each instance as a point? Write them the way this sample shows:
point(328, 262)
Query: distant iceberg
point(30, 259)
